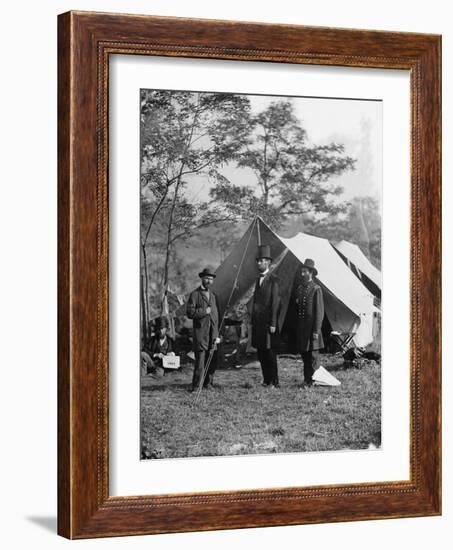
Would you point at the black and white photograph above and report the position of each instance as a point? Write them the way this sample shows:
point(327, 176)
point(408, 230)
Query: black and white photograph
point(260, 282)
point(226, 260)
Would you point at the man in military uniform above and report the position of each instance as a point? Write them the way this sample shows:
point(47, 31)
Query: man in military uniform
point(310, 314)
point(202, 308)
point(266, 302)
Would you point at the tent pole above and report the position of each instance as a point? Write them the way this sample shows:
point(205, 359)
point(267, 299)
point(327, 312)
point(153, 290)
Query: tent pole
point(211, 353)
point(258, 230)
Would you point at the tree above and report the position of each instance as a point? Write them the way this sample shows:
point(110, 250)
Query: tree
point(366, 233)
point(184, 134)
point(292, 176)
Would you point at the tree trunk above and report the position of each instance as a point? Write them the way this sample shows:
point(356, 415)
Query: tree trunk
point(144, 314)
point(175, 200)
point(169, 247)
point(358, 224)
point(145, 287)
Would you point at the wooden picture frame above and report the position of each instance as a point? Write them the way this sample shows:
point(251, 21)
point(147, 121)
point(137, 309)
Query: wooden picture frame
point(85, 41)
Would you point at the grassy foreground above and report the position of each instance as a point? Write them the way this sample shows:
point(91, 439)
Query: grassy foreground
point(239, 416)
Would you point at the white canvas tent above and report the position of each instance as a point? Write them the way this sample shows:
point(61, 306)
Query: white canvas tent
point(361, 266)
point(348, 304)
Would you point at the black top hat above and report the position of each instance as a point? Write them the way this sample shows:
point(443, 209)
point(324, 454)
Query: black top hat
point(207, 272)
point(310, 264)
point(161, 322)
point(264, 251)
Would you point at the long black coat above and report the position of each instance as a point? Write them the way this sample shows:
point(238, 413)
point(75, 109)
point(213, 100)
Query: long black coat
point(266, 304)
point(205, 325)
point(310, 314)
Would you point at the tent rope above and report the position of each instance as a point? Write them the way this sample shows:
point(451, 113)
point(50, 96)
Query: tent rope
point(212, 350)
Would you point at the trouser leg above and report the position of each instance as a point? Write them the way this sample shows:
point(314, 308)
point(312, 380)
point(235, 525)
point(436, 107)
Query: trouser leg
point(262, 358)
point(311, 363)
point(308, 367)
point(200, 356)
point(211, 356)
point(315, 360)
point(273, 367)
point(147, 364)
point(209, 379)
point(268, 361)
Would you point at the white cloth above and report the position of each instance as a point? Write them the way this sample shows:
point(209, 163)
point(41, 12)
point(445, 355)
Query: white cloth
point(262, 275)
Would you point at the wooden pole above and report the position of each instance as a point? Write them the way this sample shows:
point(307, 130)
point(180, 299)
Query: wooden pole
point(144, 315)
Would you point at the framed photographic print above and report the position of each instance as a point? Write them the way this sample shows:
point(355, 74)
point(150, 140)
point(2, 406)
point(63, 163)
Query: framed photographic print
point(249, 275)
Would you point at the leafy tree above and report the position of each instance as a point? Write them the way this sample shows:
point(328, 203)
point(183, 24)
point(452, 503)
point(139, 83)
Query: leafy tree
point(361, 225)
point(184, 134)
point(292, 176)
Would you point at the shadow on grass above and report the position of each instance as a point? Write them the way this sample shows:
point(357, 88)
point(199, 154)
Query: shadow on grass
point(165, 387)
point(351, 368)
point(336, 368)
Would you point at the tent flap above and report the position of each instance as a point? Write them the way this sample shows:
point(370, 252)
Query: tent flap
point(354, 254)
point(349, 305)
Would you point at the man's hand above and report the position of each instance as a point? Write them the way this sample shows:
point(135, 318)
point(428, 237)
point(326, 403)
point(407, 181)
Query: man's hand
point(315, 336)
point(208, 310)
point(217, 340)
point(272, 330)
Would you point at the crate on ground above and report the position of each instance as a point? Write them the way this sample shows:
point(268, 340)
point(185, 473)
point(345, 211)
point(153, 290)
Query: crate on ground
point(170, 362)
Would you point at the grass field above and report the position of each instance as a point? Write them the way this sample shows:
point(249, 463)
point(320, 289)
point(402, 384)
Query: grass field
point(239, 416)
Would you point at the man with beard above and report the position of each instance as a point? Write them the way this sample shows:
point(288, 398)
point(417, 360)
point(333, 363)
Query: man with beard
point(160, 345)
point(266, 302)
point(203, 309)
point(310, 314)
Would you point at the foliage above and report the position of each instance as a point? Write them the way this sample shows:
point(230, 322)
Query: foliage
point(361, 225)
point(183, 134)
point(293, 176)
point(191, 211)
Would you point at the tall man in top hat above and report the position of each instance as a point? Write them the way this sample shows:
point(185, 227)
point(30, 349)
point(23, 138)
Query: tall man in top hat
point(310, 314)
point(202, 307)
point(266, 302)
